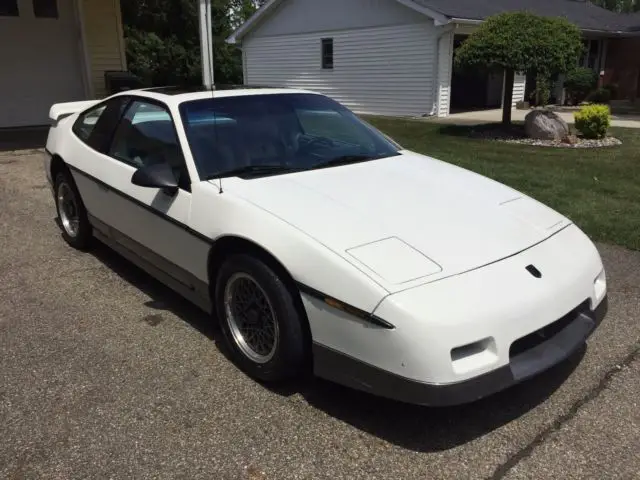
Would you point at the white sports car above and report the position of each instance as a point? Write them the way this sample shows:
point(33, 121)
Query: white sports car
point(320, 243)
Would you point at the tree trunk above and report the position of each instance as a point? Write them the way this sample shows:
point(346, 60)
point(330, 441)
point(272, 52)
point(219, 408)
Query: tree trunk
point(507, 100)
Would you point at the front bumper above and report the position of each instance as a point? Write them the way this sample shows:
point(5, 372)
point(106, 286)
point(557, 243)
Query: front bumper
point(538, 352)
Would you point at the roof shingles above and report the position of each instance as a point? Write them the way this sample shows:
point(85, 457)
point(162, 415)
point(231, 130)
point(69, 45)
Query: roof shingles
point(581, 12)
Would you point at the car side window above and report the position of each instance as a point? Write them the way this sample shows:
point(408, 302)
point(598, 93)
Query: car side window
point(145, 136)
point(95, 127)
point(87, 122)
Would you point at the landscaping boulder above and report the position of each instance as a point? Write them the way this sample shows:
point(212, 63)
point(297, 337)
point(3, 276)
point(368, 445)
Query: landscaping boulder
point(545, 125)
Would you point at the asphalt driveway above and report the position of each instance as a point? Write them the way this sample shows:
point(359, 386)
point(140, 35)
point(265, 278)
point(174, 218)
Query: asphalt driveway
point(107, 374)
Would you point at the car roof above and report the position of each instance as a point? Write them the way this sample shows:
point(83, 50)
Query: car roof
point(176, 94)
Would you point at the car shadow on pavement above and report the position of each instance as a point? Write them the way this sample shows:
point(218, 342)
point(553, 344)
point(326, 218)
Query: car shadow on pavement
point(417, 428)
point(162, 297)
point(432, 429)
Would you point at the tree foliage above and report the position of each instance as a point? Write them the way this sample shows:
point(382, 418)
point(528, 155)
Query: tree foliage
point(163, 43)
point(522, 42)
point(621, 6)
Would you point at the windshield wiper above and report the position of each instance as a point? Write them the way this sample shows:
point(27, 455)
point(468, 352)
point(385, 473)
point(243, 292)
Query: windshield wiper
point(345, 160)
point(253, 170)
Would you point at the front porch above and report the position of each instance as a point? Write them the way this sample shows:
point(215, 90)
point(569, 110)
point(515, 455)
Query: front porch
point(614, 58)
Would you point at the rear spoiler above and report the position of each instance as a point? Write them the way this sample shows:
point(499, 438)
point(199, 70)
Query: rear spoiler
point(60, 110)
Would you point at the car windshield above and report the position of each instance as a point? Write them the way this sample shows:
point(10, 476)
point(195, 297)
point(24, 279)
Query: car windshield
point(268, 134)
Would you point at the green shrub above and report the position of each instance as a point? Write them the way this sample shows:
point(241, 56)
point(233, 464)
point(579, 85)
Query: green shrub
point(613, 89)
point(542, 92)
point(601, 95)
point(593, 121)
point(579, 82)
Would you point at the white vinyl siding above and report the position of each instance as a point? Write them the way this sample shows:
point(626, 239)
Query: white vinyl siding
point(519, 85)
point(305, 16)
point(104, 40)
point(445, 61)
point(381, 70)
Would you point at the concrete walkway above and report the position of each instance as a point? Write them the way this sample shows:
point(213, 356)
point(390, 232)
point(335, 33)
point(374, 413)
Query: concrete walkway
point(489, 116)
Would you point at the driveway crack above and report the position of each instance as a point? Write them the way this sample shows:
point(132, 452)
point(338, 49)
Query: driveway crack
point(503, 469)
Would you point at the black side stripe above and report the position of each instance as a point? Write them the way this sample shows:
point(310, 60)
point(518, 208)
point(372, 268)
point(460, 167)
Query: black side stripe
point(366, 316)
point(143, 205)
point(303, 288)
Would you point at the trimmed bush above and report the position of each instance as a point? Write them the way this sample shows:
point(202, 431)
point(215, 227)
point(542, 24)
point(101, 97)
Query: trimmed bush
point(593, 121)
point(579, 82)
point(601, 95)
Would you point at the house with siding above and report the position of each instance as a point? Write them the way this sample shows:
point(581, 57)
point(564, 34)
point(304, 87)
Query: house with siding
point(395, 57)
point(55, 50)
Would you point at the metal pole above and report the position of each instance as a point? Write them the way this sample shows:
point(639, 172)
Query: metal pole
point(206, 42)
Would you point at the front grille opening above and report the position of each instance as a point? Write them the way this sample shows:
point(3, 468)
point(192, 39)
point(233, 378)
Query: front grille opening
point(545, 333)
point(471, 349)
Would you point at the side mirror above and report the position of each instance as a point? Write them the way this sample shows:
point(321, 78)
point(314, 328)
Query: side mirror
point(159, 175)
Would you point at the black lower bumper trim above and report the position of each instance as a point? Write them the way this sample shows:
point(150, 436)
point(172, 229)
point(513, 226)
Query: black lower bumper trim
point(348, 371)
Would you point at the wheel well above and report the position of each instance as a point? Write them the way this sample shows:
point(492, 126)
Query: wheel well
point(57, 166)
point(227, 246)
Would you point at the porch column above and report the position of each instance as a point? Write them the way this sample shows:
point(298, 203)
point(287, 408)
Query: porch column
point(206, 42)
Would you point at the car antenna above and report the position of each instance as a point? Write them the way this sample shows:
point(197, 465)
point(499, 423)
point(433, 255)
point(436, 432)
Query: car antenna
point(211, 53)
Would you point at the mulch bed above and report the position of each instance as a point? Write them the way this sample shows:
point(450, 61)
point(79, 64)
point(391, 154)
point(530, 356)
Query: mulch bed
point(515, 134)
point(580, 142)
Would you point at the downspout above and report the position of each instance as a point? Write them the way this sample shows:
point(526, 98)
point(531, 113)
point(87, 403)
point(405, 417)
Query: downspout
point(441, 31)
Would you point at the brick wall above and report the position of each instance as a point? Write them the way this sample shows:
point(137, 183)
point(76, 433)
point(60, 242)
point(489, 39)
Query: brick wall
point(623, 67)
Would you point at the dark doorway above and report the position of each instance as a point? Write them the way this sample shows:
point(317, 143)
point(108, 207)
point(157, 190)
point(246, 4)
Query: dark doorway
point(474, 90)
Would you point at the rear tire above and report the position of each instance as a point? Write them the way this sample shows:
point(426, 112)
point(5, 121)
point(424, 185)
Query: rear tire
point(72, 215)
point(261, 325)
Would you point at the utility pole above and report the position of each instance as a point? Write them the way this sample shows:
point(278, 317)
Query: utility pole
point(206, 42)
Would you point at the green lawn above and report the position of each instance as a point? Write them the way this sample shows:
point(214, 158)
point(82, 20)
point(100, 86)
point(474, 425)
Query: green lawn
point(599, 189)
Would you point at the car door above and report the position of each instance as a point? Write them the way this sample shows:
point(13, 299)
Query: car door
point(85, 152)
point(149, 221)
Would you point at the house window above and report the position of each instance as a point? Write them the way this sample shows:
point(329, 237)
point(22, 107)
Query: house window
point(8, 8)
point(327, 53)
point(45, 8)
point(592, 54)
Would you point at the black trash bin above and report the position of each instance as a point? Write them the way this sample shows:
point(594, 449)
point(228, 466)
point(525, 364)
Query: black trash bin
point(120, 81)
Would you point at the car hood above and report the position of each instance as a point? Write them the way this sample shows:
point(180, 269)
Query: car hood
point(407, 218)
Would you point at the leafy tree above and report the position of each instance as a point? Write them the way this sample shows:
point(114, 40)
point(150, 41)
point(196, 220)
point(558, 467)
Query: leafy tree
point(163, 43)
point(521, 42)
point(621, 6)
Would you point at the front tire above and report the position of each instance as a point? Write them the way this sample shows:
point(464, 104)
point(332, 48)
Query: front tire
point(74, 221)
point(262, 327)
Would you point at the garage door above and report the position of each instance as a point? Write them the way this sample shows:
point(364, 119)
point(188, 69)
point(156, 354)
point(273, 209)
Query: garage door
point(40, 59)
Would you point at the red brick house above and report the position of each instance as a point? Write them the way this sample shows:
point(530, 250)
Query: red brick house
point(622, 66)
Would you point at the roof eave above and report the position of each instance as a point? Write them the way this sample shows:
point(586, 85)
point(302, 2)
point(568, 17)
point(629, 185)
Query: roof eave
point(615, 33)
point(466, 21)
point(236, 36)
point(438, 18)
point(246, 27)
